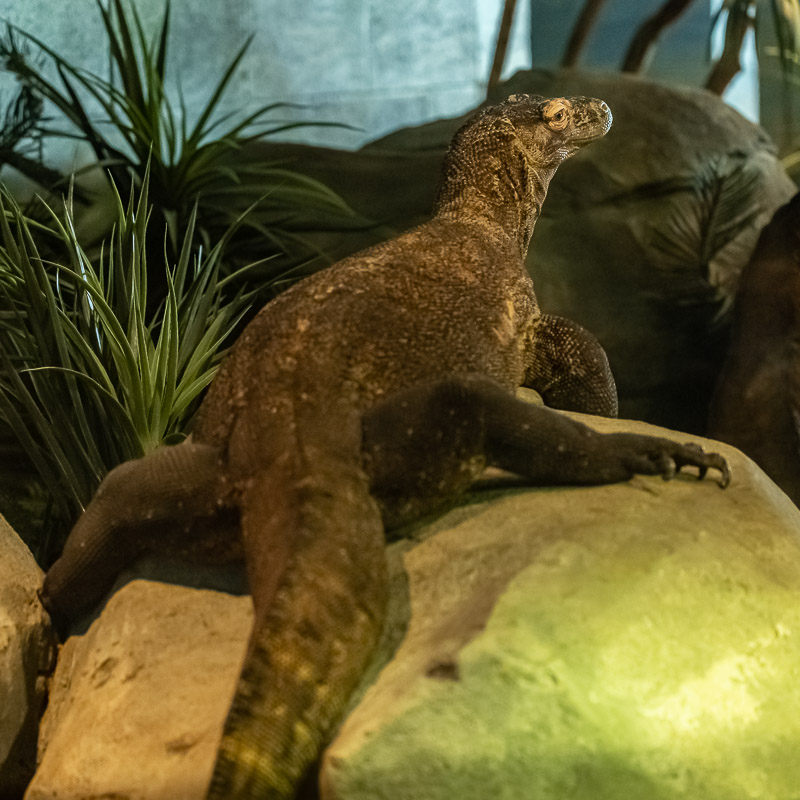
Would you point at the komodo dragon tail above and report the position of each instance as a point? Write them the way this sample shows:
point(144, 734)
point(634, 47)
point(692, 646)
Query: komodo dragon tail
point(314, 545)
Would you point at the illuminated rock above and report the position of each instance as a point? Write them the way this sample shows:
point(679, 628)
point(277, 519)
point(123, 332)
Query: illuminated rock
point(629, 642)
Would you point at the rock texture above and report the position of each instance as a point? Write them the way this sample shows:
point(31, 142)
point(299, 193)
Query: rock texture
point(642, 237)
point(138, 701)
point(757, 399)
point(628, 641)
point(26, 654)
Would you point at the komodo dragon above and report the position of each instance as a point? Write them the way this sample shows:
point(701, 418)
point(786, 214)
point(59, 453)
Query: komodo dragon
point(367, 394)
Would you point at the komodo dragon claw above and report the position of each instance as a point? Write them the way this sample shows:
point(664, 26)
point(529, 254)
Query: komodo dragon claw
point(705, 461)
point(675, 456)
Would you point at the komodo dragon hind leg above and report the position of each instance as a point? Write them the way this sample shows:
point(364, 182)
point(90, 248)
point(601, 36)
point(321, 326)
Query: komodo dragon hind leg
point(314, 549)
point(140, 505)
point(569, 368)
point(425, 444)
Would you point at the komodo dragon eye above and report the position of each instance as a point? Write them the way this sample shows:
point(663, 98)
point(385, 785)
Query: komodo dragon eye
point(556, 114)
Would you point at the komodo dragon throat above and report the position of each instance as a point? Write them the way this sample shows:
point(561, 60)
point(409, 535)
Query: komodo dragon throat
point(367, 394)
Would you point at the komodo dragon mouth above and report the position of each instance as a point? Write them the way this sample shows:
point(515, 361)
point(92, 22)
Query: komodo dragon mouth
point(591, 122)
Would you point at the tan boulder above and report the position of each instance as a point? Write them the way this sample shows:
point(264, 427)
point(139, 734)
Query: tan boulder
point(26, 654)
point(138, 701)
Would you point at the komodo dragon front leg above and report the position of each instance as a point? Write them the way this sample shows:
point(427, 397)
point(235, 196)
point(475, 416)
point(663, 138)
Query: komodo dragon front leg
point(425, 445)
point(569, 368)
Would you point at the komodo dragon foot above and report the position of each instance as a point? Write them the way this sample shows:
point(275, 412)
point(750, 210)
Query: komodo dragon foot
point(443, 433)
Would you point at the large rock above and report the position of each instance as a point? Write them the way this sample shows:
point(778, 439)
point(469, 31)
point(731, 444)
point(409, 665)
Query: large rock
point(26, 655)
point(628, 641)
point(631, 641)
point(137, 702)
point(642, 237)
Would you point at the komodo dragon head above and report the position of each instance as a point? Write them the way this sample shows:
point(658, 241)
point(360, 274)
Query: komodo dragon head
point(500, 162)
point(548, 129)
point(552, 129)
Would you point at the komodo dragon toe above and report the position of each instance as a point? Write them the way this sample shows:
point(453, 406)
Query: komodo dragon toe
point(648, 455)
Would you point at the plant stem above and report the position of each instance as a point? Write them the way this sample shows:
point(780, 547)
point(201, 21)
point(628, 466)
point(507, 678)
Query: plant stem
point(728, 65)
point(502, 44)
point(580, 33)
point(646, 36)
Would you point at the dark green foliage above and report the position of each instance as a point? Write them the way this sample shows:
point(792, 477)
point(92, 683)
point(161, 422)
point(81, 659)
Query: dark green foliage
point(108, 338)
point(188, 163)
point(20, 129)
point(87, 378)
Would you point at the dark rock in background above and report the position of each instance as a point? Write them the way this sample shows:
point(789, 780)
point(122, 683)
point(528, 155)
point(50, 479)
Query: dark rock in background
point(756, 405)
point(642, 237)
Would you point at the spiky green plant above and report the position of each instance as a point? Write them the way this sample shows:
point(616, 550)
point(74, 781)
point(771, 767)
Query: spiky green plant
point(19, 139)
point(87, 378)
point(189, 163)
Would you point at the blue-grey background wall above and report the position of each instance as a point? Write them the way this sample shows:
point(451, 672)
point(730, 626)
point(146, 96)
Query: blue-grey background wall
point(374, 64)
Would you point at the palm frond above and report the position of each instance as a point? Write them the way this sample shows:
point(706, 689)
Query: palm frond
point(725, 198)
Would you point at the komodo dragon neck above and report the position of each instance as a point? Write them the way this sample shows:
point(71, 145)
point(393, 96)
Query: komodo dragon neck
point(501, 188)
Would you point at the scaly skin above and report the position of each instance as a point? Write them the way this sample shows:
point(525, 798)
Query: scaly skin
point(369, 393)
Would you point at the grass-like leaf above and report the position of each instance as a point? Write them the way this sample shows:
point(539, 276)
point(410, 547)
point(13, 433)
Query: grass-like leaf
point(88, 378)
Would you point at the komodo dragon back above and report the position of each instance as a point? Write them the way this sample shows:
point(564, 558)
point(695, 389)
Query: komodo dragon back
point(367, 394)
